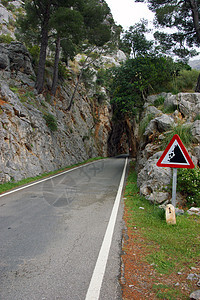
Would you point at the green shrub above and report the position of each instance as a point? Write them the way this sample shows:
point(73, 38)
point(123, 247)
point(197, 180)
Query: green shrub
point(184, 132)
point(144, 123)
point(5, 2)
point(6, 38)
point(100, 97)
point(189, 185)
point(63, 72)
point(51, 121)
point(197, 117)
point(14, 89)
point(27, 96)
point(48, 97)
point(35, 52)
point(159, 101)
point(187, 79)
point(169, 109)
point(11, 7)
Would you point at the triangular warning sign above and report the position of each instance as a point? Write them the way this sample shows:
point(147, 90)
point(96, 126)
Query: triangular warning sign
point(175, 155)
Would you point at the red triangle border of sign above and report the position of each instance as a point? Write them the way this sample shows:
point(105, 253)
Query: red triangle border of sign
point(177, 138)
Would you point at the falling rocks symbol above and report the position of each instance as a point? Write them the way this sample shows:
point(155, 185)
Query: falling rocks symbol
point(177, 156)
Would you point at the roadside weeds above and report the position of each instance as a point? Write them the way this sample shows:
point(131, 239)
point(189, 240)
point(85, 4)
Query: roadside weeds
point(157, 258)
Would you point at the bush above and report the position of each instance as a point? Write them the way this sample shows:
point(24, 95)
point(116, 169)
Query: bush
point(6, 38)
point(197, 117)
point(189, 185)
point(144, 123)
point(184, 132)
point(51, 121)
point(187, 79)
point(63, 72)
point(35, 52)
point(159, 101)
point(5, 2)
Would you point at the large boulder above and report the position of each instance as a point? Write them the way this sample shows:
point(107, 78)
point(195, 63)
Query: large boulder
point(152, 110)
point(159, 124)
point(164, 123)
point(4, 59)
point(16, 60)
point(153, 181)
point(189, 104)
point(171, 101)
point(196, 131)
point(197, 154)
point(20, 59)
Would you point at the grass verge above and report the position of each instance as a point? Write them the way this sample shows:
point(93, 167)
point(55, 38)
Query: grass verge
point(12, 184)
point(170, 248)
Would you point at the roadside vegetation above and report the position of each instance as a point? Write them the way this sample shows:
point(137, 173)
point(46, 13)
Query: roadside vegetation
point(13, 184)
point(169, 248)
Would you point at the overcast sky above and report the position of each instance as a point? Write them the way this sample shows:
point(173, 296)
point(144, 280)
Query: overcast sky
point(128, 12)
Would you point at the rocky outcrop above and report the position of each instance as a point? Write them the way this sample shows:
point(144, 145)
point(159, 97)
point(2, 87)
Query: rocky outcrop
point(28, 146)
point(8, 16)
point(154, 181)
point(14, 58)
point(189, 104)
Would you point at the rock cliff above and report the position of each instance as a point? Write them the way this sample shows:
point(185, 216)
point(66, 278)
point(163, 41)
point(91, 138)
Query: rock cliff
point(28, 145)
point(159, 120)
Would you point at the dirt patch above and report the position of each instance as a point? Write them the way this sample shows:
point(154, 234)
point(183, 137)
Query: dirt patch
point(2, 102)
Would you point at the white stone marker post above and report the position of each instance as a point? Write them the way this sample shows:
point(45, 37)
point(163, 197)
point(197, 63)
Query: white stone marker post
point(170, 214)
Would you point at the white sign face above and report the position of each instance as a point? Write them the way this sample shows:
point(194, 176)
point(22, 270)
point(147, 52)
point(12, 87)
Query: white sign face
point(175, 155)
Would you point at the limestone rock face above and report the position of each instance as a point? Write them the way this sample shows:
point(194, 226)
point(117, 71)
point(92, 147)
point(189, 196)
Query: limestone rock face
point(164, 123)
point(196, 131)
point(171, 101)
point(195, 295)
point(15, 57)
point(29, 147)
point(189, 104)
point(7, 16)
point(154, 181)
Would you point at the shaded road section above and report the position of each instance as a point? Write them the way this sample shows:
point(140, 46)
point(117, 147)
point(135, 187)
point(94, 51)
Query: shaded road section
point(51, 234)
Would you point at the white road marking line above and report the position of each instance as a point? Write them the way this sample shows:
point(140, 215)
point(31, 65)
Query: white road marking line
point(100, 267)
point(48, 178)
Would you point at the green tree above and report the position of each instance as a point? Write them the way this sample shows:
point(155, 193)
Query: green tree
point(182, 16)
point(134, 41)
point(43, 10)
point(68, 24)
point(36, 24)
point(97, 32)
point(135, 79)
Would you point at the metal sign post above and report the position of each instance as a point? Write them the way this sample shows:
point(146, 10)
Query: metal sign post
point(174, 184)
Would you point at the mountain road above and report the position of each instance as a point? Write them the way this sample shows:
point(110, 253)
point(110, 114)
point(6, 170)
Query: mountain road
point(60, 238)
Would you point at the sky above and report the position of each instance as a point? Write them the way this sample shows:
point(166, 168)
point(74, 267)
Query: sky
point(128, 12)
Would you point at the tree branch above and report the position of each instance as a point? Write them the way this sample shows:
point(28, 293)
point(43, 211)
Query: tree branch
point(85, 65)
point(195, 16)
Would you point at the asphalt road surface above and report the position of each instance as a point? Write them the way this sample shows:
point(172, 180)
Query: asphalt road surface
point(51, 234)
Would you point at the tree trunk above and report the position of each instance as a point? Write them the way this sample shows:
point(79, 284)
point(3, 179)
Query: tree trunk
point(195, 16)
point(74, 92)
point(43, 49)
point(55, 71)
point(197, 89)
point(79, 78)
